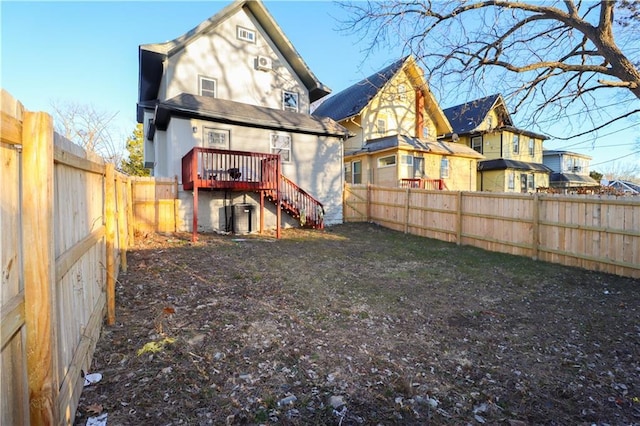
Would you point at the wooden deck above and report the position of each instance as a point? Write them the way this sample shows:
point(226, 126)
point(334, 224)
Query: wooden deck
point(205, 168)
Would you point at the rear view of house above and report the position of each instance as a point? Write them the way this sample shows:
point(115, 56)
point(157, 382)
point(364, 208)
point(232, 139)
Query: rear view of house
point(225, 108)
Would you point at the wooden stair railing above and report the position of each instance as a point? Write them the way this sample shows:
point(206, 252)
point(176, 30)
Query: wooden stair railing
point(299, 204)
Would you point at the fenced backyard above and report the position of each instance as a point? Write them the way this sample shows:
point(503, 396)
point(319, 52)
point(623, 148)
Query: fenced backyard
point(68, 219)
point(599, 233)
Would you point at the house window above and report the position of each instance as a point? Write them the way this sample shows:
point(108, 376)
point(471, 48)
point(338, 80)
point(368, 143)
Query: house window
point(512, 179)
point(444, 168)
point(476, 143)
point(356, 168)
point(290, 101)
point(215, 138)
point(425, 132)
point(407, 160)
point(347, 173)
point(381, 126)
point(387, 161)
point(516, 144)
point(207, 87)
point(402, 92)
point(531, 182)
point(523, 182)
point(532, 145)
point(246, 34)
point(281, 144)
point(490, 122)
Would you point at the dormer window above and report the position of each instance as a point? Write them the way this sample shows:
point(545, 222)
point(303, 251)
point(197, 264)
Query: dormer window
point(245, 34)
point(381, 126)
point(207, 87)
point(290, 101)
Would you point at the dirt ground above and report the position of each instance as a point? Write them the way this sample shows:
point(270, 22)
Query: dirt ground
point(360, 325)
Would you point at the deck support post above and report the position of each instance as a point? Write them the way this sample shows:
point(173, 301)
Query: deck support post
point(261, 212)
point(194, 231)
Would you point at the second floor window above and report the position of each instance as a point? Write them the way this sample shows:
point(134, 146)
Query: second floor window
point(246, 34)
point(516, 144)
point(402, 92)
point(476, 143)
point(207, 87)
point(532, 146)
point(290, 101)
point(281, 144)
point(381, 126)
point(387, 161)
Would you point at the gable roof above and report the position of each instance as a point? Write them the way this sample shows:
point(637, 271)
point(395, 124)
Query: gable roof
point(464, 118)
point(151, 55)
point(407, 142)
point(351, 101)
point(222, 110)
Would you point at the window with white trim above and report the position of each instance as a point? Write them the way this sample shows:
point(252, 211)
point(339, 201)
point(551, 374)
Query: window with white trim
point(215, 138)
point(402, 92)
point(512, 180)
point(347, 172)
point(381, 126)
point(281, 144)
point(532, 146)
point(207, 86)
point(387, 161)
point(531, 182)
point(444, 168)
point(516, 144)
point(290, 101)
point(406, 160)
point(245, 34)
point(357, 172)
point(476, 143)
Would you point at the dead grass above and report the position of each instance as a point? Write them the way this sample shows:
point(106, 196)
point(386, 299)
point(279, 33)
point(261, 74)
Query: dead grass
point(363, 325)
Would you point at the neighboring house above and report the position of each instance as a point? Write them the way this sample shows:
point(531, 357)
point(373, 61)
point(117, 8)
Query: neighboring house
point(570, 170)
point(513, 156)
point(219, 104)
point(394, 122)
point(625, 187)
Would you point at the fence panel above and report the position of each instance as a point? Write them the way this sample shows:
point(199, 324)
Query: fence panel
point(54, 265)
point(155, 203)
point(591, 232)
point(14, 392)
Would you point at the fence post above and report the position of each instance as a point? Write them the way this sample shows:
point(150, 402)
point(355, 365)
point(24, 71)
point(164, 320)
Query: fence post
point(39, 267)
point(536, 227)
point(130, 216)
point(406, 213)
point(122, 221)
point(110, 225)
point(459, 219)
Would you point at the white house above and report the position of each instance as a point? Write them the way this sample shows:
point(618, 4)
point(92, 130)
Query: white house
point(235, 89)
point(570, 169)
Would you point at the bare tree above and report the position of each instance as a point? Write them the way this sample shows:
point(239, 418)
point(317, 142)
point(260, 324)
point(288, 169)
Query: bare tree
point(90, 128)
point(550, 59)
point(620, 170)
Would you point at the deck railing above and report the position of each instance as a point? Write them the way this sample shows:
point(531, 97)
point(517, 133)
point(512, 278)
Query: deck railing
point(432, 184)
point(300, 204)
point(223, 169)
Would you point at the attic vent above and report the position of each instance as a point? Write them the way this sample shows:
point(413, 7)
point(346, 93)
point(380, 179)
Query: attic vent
point(264, 63)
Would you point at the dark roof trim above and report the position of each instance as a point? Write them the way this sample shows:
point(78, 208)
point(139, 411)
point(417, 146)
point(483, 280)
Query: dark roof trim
point(572, 179)
point(504, 164)
point(224, 111)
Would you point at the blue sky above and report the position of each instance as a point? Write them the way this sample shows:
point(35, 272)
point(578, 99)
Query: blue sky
point(87, 53)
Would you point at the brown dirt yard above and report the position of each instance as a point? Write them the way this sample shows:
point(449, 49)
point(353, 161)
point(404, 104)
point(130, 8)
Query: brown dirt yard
point(359, 324)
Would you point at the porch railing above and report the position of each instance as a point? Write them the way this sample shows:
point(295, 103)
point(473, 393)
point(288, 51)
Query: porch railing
point(299, 204)
point(432, 184)
point(224, 169)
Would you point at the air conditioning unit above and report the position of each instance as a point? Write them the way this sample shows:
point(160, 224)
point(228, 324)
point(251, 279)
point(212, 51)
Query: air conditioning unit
point(264, 63)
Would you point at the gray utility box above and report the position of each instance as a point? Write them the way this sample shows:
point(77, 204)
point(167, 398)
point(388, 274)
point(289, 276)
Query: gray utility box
point(244, 218)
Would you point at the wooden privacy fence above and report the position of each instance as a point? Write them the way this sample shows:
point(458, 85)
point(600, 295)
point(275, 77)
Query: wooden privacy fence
point(155, 204)
point(66, 222)
point(591, 232)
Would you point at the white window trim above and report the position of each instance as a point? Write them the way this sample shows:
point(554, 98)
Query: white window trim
point(532, 146)
point(476, 138)
point(516, 143)
point(205, 141)
point(382, 166)
point(240, 35)
point(511, 184)
point(444, 170)
point(381, 129)
point(202, 78)
point(531, 181)
point(297, 97)
point(275, 150)
point(353, 172)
